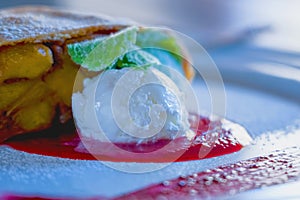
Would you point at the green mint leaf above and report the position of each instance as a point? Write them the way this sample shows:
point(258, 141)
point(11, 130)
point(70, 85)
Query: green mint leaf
point(136, 58)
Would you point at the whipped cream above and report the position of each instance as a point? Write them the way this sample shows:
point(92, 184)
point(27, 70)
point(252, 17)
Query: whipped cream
point(130, 105)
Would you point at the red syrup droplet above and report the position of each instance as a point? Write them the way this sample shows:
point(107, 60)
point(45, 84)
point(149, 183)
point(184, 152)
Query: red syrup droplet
point(213, 138)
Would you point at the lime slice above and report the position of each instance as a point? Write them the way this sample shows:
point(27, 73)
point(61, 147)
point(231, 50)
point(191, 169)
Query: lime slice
point(79, 51)
point(100, 53)
point(155, 38)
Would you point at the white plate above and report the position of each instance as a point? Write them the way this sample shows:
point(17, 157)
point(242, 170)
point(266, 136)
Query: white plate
point(258, 111)
point(271, 106)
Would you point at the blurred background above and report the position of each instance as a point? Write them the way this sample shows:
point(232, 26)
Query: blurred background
point(253, 43)
point(212, 22)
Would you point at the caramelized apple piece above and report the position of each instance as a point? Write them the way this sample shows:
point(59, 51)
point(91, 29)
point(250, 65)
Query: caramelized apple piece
point(36, 116)
point(24, 61)
point(38, 91)
point(9, 93)
point(33, 109)
point(29, 108)
point(62, 80)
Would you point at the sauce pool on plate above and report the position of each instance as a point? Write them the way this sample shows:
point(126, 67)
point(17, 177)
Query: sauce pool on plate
point(213, 138)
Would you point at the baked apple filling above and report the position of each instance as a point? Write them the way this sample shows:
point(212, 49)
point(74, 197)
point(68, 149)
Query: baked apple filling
point(36, 82)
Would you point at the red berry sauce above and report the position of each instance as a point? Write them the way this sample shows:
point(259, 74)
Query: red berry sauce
point(213, 138)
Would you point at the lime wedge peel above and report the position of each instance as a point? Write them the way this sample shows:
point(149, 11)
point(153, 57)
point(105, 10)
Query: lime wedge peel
point(123, 49)
point(97, 55)
point(159, 38)
point(79, 51)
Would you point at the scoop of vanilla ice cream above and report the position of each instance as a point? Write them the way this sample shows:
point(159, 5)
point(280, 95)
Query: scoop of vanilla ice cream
point(130, 105)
